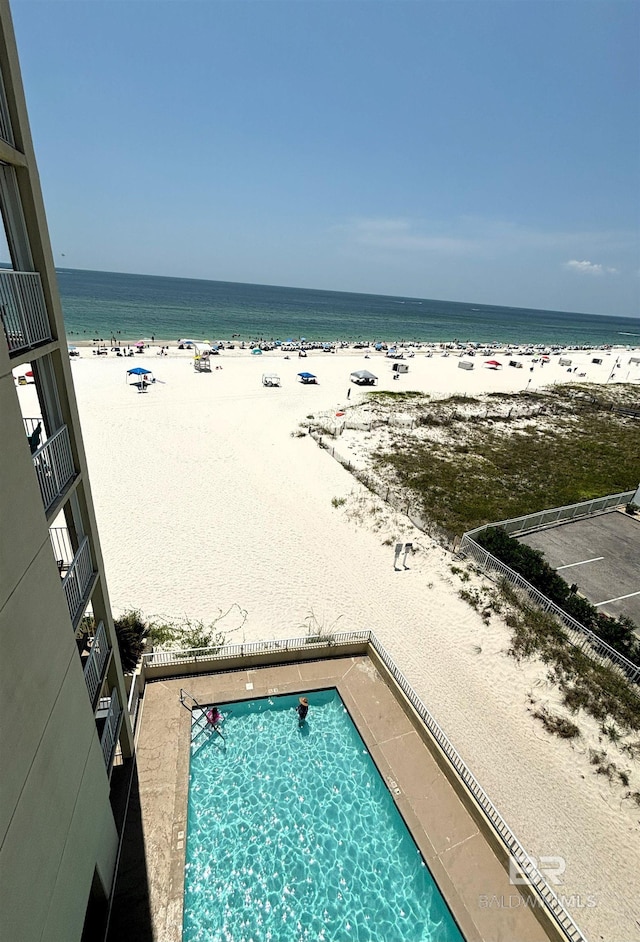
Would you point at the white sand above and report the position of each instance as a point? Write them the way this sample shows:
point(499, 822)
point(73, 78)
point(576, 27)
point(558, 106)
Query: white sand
point(204, 499)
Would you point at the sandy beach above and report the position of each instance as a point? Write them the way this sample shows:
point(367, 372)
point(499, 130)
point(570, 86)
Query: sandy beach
point(208, 501)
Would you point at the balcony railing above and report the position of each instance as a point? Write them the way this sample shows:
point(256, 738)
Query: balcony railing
point(53, 462)
point(23, 311)
point(95, 663)
point(110, 708)
point(77, 581)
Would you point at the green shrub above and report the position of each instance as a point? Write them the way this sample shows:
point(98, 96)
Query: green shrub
point(131, 632)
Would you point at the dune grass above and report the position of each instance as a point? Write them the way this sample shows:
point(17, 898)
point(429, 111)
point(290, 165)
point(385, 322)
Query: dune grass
point(501, 456)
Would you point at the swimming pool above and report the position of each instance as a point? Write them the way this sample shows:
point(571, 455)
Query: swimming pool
point(294, 837)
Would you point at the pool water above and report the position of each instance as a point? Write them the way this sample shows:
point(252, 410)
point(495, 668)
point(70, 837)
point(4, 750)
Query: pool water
point(293, 835)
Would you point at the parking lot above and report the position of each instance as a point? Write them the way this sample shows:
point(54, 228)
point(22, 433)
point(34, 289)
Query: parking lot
point(601, 555)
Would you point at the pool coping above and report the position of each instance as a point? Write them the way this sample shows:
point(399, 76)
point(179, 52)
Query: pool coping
point(463, 853)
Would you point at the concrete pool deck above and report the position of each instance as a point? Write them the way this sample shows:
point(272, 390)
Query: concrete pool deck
point(471, 875)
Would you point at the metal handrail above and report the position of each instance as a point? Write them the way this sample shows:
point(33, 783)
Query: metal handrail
point(94, 666)
point(23, 311)
point(580, 636)
point(78, 579)
point(111, 726)
point(227, 651)
point(508, 839)
point(53, 462)
point(545, 518)
point(502, 829)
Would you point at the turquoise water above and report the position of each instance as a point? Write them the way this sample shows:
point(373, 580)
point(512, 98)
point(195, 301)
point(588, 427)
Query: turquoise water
point(104, 304)
point(292, 836)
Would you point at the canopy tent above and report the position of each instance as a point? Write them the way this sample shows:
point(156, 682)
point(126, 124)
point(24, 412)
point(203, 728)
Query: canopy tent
point(363, 378)
point(141, 377)
point(308, 378)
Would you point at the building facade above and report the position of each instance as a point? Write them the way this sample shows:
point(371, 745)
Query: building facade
point(63, 697)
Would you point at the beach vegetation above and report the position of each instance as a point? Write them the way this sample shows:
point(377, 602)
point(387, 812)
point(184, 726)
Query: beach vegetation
point(632, 508)
point(470, 461)
point(558, 725)
point(175, 634)
point(338, 501)
point(132, 632)
point(601, 690)
point(317, 630)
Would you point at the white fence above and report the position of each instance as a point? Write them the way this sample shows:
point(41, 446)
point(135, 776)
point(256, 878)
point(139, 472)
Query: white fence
point(581, 637)
point(546, 518)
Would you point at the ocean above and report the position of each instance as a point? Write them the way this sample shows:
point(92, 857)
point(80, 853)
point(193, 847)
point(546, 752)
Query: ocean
point(100, 305)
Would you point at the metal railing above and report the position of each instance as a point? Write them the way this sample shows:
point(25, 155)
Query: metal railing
point(77, 581)
point(502, 830)
point(510, 841)
point(53, 462)
point(30, 425)
point(111, 728)
point(228, 651)
point(578, 635)
point(61, 545)
point(545, 518)
point(95, 664)
point(22, 310)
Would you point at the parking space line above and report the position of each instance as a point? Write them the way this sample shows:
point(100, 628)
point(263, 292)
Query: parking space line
point(619, 599)
point(581, 563)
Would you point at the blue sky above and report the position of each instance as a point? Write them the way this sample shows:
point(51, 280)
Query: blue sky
point(473, 151)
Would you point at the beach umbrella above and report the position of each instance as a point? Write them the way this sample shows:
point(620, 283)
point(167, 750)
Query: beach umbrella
point(140, 343)
point(493, 364)
point(29, 373)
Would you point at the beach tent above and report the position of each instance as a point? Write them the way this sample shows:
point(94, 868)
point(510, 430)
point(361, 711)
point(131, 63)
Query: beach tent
point(257, 351)
point(307, 378)
point(140, 377)
point(363, 378)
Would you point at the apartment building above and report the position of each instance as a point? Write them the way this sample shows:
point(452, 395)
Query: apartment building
point(63, 697)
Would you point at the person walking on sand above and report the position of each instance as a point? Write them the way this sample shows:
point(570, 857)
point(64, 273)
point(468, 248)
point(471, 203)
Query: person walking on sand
point(302, 709)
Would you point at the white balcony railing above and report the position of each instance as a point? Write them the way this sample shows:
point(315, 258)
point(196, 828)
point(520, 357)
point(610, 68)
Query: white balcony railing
point(53, 462)
point(77, 581)
point(22, 310)
point(95, 664)
point(111, 727)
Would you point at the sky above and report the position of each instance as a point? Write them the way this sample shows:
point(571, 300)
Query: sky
point(463, 150)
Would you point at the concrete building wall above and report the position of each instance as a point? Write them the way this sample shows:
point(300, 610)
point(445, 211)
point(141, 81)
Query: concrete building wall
point(58, 836)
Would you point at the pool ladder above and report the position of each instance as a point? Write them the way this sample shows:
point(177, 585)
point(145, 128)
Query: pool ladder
point(189, 702)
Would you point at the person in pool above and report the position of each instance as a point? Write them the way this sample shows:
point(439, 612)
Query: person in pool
point(214, 718)
point(302, 709)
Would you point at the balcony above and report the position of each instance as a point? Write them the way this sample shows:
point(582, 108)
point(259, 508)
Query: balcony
point(94, 653)
point(109, 719)
point(52, 460)
point(22, 311)
point(76, 571)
